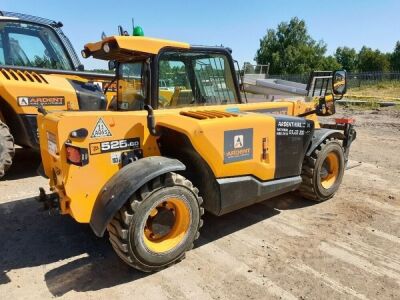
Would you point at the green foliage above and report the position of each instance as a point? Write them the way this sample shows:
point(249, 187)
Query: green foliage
point(372, 60)
point(347, 58)
point(290, 49)
point(330, 63)
point(395, 58)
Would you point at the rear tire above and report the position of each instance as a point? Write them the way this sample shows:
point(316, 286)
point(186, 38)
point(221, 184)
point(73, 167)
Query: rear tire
point(322, 171)
point(7, 150)
point(158, 224)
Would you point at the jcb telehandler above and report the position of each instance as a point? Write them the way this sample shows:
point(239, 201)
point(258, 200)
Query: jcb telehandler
point(38, 66)
point(147, 171)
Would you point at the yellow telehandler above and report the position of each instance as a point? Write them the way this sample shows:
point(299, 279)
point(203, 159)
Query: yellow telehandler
point(146, 171)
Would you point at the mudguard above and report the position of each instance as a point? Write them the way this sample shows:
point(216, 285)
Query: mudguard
point(320, 135)
point(125, 183)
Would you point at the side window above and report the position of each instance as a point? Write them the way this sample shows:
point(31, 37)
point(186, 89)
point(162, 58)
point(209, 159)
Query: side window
point(211, 74)
point(174, 85)
point(194, 78)
point(32, 45)
point(35, 54)
point(2, 59)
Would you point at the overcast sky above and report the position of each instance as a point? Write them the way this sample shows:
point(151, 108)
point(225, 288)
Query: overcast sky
point(236, 24)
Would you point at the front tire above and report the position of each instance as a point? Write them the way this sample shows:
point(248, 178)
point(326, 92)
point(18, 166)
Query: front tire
point(323, 171)
point(158, 224)
point(7, 150)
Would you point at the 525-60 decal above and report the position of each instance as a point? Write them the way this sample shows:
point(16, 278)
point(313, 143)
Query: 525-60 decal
point(113, 146)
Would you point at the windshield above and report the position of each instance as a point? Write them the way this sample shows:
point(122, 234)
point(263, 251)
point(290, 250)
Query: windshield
point(31, 45)
point(195, 78)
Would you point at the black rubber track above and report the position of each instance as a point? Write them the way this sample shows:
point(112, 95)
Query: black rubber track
point(118, 227)
point(7, 150)
point(309, 187)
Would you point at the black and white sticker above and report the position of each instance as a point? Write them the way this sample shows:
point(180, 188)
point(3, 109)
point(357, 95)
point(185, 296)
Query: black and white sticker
point(115, 158)
point(288, 127)
point(101, 129)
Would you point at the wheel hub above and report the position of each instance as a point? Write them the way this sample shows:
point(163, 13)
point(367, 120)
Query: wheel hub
point(329, 170)
point(166, 225)
point(161, 224)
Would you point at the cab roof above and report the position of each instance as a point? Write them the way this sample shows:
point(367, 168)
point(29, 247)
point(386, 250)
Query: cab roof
point(123, 47)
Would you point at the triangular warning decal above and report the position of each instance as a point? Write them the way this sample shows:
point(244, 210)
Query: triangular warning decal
point(101, 129)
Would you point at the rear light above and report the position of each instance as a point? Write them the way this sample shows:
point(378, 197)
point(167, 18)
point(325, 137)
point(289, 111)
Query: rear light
point(77, 156)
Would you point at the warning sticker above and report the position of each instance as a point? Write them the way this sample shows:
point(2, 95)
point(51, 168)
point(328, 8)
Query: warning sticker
point(101, 129)
point(238, 145)
point(45, 101)
point(115, 158)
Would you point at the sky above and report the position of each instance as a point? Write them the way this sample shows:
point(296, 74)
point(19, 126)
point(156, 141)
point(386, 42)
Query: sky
point(235, 24)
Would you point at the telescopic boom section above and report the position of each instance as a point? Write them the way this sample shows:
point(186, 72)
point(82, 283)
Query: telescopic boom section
point(121, 48)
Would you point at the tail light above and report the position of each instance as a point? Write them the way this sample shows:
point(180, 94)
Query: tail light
point(77, 156)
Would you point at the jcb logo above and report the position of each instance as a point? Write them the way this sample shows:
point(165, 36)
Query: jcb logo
point(95, 148)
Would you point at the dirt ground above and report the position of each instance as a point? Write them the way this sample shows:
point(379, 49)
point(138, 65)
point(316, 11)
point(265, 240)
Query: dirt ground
point(285, 248)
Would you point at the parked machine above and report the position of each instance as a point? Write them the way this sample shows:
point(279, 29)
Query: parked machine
point(147, 171)
point(38, 67)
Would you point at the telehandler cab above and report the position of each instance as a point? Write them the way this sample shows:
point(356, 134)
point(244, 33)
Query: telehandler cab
point(146, 171)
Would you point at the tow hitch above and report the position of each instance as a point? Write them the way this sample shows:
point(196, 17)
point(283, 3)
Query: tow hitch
point(50, 201)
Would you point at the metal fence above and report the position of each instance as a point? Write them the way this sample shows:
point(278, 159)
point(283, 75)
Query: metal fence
point(354, 79)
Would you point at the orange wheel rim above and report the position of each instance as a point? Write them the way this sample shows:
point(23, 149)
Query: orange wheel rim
point(167, 225)
point(330, 171)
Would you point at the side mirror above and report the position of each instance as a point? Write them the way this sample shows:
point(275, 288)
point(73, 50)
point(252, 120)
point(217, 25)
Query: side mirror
point(81, 68)
point(339, 83)
point(112, 65)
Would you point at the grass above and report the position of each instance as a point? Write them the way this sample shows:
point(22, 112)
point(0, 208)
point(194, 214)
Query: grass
point(378, 91)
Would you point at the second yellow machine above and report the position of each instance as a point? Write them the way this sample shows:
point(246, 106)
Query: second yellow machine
point(180, 140)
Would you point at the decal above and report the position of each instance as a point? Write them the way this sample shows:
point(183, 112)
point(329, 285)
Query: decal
point(114, 146)
point(101, 129)
point(238, 145)
point(45, 101)
point(115, 158)
point(51, 143)
point(274, 110)
point(290, 128)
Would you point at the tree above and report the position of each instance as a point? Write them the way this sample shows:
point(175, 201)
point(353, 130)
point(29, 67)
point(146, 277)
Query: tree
point(372, 60)
point(330, 63)
point(347, 57)
point(290, 49)
point(395, 58)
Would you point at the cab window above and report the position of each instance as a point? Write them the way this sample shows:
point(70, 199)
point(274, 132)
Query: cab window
point(195, 78)
point(32, 45)
point(132, 85)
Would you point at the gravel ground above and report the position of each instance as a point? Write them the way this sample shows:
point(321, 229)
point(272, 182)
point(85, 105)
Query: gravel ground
point(284, 248)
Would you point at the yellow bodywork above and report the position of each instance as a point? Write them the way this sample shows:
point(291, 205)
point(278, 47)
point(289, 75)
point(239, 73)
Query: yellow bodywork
point(84, 184)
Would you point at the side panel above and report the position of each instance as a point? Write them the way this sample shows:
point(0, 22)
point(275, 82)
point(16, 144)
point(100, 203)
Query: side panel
point(293, 137)
point(248, 190)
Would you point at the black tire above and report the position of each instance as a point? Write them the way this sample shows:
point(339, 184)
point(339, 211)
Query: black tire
point(127, 230)
point(315, 186)
point(7, 150)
